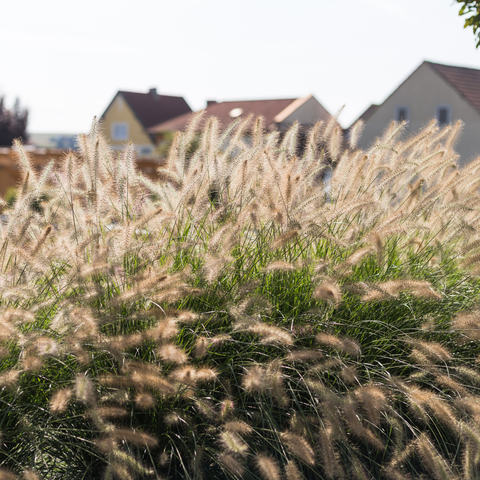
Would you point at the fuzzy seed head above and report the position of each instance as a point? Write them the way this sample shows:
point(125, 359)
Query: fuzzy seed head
point(328, 291)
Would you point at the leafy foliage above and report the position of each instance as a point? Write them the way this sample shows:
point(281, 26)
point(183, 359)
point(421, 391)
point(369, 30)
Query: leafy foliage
point(472, 9)
point(13, 123)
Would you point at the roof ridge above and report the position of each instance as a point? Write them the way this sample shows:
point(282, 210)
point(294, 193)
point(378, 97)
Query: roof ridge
point(259, 100)
point(451, 66)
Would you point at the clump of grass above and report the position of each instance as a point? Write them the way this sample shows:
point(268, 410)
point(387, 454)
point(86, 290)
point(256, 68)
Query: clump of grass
point(239, 318)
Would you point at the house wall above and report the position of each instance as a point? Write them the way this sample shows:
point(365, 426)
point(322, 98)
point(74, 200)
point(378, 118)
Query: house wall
point(422, 92)
point(120, 111)
point(10, 174)
point(307, 114)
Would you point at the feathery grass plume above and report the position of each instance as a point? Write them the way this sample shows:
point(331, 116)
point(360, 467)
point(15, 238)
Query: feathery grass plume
point(299, 447)
point(354, 258)
point(30, 475)
point(186, 375)
point(447, 382)
point(227, 407)
point(164, 330)
point(7, 475)
point(355, 133)
point(231, 464)
point(32, 363)
point(284, 239)
point(206, 375)
point(468, 324)
point(60, 399)
point(171, 353)
point(276, 383)
point(206, 409)
point(9, 378)
point(349, 375)
point(444, 414)
point(254, 380)
point(468, 461)
point(129, 461)
point(292, 472)
point(213, 267)
point(46, 346)
point(433, 350)
point(415, 287)
point(24, 161)
point(304, 356)
point(111, 412)
point(418, 399)
point(137, 438)
point(358, 470)
point(342, 344)
point(144, 400)
point(279, 266)
point(328, 291)
point(469, 374)
point(432, 460)
point(238, 427)
point(357, 428)
point(392, 473)
point(233, 443)
point(267, 467)
point(84, 389)
point(118, 471)
point(327, 452)
point(269, 333)
point(201, 346)
point(41, 240)
point(373, 401)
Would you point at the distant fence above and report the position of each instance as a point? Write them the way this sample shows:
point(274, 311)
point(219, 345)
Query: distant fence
point(10, 173)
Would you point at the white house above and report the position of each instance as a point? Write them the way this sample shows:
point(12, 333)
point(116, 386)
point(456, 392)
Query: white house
point(433, 90)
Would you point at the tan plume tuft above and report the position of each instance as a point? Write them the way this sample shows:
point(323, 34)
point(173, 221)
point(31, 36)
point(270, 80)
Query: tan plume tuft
point(292, 472)
point(279, 266)
point(60, 399)
point(144, 400)
point(328, 291)
point(230, 463)
point(299, 447)
point(171, 353)
point(342, 344)
point(267, 467)
point(233, 443)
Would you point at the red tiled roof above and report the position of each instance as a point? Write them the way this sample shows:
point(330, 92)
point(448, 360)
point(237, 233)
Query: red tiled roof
point(152, 108)
point(267, 108)
point(465, 80)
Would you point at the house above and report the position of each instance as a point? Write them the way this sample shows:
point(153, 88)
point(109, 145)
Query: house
point(433, 90)
point(131, 114)
point(278, 114)
point(61, 141)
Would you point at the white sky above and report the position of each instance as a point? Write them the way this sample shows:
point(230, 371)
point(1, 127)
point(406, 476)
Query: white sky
point(66, 60)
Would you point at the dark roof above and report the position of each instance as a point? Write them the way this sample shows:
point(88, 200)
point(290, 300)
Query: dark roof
point(267, 108)
point(151, 108)
point(465, 80)
point(367, 113)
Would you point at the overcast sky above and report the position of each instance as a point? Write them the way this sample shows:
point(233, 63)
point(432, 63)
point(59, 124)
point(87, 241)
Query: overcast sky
point(66, 60)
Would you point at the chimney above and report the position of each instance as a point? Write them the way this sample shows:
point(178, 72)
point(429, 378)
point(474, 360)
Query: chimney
point(153, 92)
point(211, 102)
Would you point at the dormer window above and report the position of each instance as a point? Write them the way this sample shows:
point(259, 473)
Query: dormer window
point(402, 114)
point(119, 131)
point(443, 114)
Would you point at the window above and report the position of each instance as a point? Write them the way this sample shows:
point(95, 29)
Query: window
point(144, 150)
point(402, 114)
point(443, 114)
point(120, 131)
